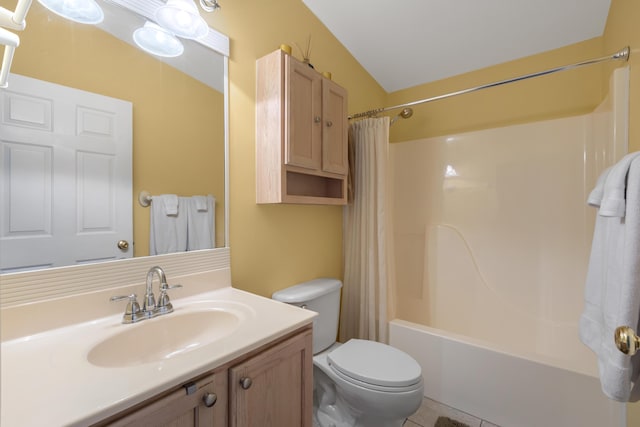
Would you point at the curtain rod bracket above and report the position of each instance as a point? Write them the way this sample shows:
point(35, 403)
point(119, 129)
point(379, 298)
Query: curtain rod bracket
point(623, 54)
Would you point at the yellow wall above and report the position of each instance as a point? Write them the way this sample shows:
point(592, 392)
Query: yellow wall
point(178, 127)
point(561, 94)
point(274, 246)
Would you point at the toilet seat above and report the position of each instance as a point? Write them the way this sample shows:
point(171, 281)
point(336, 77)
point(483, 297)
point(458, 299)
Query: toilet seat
point(375, 365)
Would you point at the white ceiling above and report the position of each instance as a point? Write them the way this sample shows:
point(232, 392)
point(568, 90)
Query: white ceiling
point(404, 43)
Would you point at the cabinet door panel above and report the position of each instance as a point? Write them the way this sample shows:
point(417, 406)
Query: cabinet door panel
point(280, 393)
point(304, 111)
point(180, 409)
point(334, 136)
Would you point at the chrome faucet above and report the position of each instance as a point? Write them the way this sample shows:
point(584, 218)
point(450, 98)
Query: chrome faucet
point(149, 304)
point(134, 313)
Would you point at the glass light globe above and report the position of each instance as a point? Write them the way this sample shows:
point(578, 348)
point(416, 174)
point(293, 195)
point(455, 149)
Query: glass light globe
point(182, 18)
point(156, 40)
point(81, 11)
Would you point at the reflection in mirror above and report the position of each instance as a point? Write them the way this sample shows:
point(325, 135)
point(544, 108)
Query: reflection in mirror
point(178, 104)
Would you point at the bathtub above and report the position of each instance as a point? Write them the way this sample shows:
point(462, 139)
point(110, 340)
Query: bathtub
point(506, 389)
point(492, 238)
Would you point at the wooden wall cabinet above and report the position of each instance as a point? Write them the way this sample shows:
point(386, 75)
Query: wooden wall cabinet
point(269, 387)
point(301, 134)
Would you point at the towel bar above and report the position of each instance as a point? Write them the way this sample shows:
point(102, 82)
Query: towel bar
point(626, 340)
point(144, 198)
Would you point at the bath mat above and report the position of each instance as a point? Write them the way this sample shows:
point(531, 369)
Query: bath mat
point(448, 422)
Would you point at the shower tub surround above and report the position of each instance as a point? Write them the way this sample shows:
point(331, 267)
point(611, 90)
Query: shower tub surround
point(492, 236)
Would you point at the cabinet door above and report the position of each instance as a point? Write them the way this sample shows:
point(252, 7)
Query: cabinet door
point(335, 128)
point(198, 404)
point(274, 388)
point(303, 116)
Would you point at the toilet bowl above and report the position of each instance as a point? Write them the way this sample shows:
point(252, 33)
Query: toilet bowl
point(359, 383)
point(365, 383)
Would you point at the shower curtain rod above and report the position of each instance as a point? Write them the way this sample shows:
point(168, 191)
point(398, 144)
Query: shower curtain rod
point(622, 54)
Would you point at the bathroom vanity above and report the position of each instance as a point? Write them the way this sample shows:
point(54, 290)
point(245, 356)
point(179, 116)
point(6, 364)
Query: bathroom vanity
point(222, 357)
point(268, 386)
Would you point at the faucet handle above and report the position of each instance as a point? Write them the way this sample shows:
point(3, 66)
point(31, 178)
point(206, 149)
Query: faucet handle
point(164, 303)
point(132, 313)
point(165, 286)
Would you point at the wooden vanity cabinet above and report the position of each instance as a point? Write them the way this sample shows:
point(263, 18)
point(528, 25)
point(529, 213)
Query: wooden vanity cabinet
point(268, 387)
point(275, 387)
point(198, 403)
point(301, 134)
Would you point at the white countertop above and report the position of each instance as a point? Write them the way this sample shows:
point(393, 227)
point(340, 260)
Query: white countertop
point(48, 381)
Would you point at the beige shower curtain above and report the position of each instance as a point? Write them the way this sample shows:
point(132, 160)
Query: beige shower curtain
point(368, 243)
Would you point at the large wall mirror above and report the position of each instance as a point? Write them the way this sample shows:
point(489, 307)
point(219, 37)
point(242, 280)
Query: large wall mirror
point(179, 119)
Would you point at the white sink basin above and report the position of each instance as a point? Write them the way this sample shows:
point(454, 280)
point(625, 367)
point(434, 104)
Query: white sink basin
point(163, 337)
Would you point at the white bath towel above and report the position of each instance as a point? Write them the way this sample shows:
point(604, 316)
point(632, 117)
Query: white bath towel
point(167, 233)
point(613, 198)
point(201, 222)
point(612, 289)
point(200, 203)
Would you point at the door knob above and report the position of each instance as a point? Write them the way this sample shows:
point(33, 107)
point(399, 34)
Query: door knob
point(626, 340)
point(209, 399)
point(123, 244)
point(245, 382)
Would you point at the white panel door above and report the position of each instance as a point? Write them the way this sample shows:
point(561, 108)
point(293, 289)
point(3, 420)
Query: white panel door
point(65, 183)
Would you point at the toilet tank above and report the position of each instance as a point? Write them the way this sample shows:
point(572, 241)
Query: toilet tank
point(323, 297)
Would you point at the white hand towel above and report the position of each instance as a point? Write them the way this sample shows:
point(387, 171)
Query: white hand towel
point(168, 233)
point(201, 223)
point(170, 202)
point(612, 289)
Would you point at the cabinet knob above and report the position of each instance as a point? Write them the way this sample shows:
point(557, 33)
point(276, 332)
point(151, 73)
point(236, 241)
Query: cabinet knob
point(329, 123)
point(209, 399)
point(317, 119)
point(245, 382)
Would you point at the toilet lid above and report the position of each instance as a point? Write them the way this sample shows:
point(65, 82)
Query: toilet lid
point(375, 363)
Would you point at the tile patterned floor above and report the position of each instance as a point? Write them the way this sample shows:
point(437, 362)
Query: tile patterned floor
point(430, 410)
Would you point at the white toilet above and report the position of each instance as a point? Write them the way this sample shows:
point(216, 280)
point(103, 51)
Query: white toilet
point(359, 383)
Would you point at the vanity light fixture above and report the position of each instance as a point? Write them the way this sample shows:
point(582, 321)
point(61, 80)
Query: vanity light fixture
point(12, 19)
point(156, 40)
point(182, 18)
point(10, 42)
point(82, 11)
